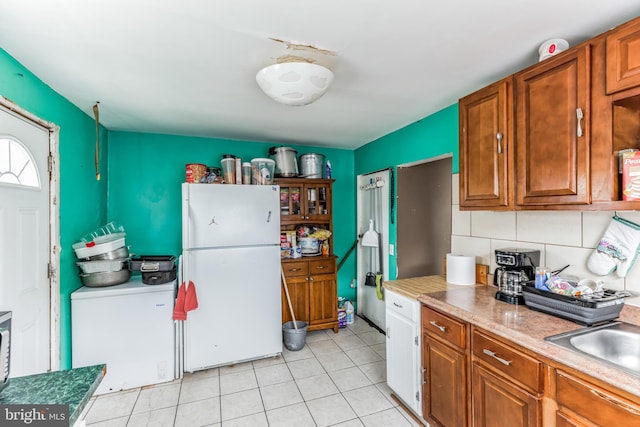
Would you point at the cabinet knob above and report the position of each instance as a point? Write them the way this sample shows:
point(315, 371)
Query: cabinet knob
point(499, 138)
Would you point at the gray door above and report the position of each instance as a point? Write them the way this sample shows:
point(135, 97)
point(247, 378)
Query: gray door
point(424, 218)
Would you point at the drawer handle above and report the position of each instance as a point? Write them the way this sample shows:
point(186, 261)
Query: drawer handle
point(294, 269)
point(615, 402)
point(495, 356)
point(397, 305)
point(442, 328)
point(320, 267)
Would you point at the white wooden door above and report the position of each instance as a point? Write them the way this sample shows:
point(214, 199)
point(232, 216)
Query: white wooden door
point(24, 241)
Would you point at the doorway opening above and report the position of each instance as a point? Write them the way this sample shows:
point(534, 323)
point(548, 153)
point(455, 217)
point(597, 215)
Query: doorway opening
point(424, 217)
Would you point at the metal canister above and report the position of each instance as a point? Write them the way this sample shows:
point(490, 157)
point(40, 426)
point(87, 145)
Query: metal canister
point(311, 165)
point(286, 162)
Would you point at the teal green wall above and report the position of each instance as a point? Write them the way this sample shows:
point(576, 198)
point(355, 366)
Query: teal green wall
point(146, 172)
point(430, 137)
point(83, 200)
point(141, 187)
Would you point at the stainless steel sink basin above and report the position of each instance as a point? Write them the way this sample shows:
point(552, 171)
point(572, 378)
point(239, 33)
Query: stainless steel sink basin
point(616, 343)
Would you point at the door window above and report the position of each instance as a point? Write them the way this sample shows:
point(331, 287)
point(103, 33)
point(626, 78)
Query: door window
point(17, 165)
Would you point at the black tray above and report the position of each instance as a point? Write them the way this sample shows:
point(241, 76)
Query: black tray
point(152, 263)
point(580, 310)
point(158, 277)
point(606, 299)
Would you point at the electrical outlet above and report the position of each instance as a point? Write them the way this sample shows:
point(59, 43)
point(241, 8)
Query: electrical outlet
point(353, 283)
point(392, 249)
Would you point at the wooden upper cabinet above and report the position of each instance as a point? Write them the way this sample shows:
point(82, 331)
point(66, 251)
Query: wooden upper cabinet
point(486, 147)
point(552, 131)
point(623, 57)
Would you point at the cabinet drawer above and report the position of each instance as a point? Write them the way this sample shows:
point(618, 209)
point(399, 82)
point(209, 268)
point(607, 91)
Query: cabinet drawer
point(443, 326)
point(322, 266)
point(296, 268)
point(594, 403)
point(401, 305)
point(508, 360)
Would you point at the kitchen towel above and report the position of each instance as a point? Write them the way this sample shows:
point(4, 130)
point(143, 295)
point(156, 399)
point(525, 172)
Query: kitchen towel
point(461, 269)
point(617, 249)
point(186, 300)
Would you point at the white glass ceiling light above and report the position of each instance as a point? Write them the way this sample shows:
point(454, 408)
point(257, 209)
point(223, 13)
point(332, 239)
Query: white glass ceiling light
point(294, 83)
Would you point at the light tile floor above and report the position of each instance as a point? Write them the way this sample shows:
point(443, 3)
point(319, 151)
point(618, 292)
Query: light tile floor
point(335, 380)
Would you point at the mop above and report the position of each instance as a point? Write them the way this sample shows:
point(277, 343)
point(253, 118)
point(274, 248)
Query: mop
point(378, 203)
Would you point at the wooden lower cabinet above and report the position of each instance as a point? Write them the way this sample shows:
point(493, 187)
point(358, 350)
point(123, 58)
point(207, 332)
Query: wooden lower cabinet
point(444, 389)
point(313, 291)
point(445, 363)
point(566, 421)
point(475, 378)
point(582, 403)
point(497, 402)
point(323, 302)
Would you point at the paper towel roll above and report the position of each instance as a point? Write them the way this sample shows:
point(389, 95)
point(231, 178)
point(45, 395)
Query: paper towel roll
point(461, 269)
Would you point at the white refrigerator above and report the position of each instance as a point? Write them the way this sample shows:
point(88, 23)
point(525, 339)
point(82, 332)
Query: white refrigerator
point(231, 253)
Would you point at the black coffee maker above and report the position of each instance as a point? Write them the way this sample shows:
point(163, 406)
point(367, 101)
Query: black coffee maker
point(516, 267)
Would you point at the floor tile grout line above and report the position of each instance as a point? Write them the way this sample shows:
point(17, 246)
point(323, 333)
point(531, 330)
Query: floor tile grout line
point(369, 346)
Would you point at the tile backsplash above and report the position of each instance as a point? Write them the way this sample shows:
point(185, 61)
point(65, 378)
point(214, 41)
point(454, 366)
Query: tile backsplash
point(563, 237)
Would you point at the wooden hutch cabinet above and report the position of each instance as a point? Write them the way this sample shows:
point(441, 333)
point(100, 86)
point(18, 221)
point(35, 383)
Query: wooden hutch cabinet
point(311, 280)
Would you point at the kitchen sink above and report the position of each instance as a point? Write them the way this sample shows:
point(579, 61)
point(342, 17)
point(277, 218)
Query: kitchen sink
point(615, 343)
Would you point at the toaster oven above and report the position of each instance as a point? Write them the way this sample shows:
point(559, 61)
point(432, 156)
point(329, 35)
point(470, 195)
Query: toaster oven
point(5, 347)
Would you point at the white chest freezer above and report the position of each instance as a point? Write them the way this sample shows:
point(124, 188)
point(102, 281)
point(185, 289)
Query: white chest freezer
point(130, 328)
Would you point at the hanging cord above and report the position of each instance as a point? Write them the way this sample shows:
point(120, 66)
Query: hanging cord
point(97, 155)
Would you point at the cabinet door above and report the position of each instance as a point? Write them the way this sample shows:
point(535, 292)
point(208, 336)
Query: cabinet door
point(291, 202)
point(299, 295)
point(552, 141)
point(623, 57)
point(444, 393)
point(402, 359)
point(564, 420)
point(486, 154)
point(498, 403)
point(323, 299)
point(598, 405)
point(318, 201)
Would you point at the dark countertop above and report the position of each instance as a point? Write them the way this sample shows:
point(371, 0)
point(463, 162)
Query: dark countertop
point(73, 387)
point(528, 328)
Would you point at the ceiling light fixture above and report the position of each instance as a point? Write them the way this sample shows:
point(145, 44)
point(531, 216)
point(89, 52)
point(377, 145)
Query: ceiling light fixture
point(295, 81)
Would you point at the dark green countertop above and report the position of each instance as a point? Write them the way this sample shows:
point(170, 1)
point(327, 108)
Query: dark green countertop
point(73, 387)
